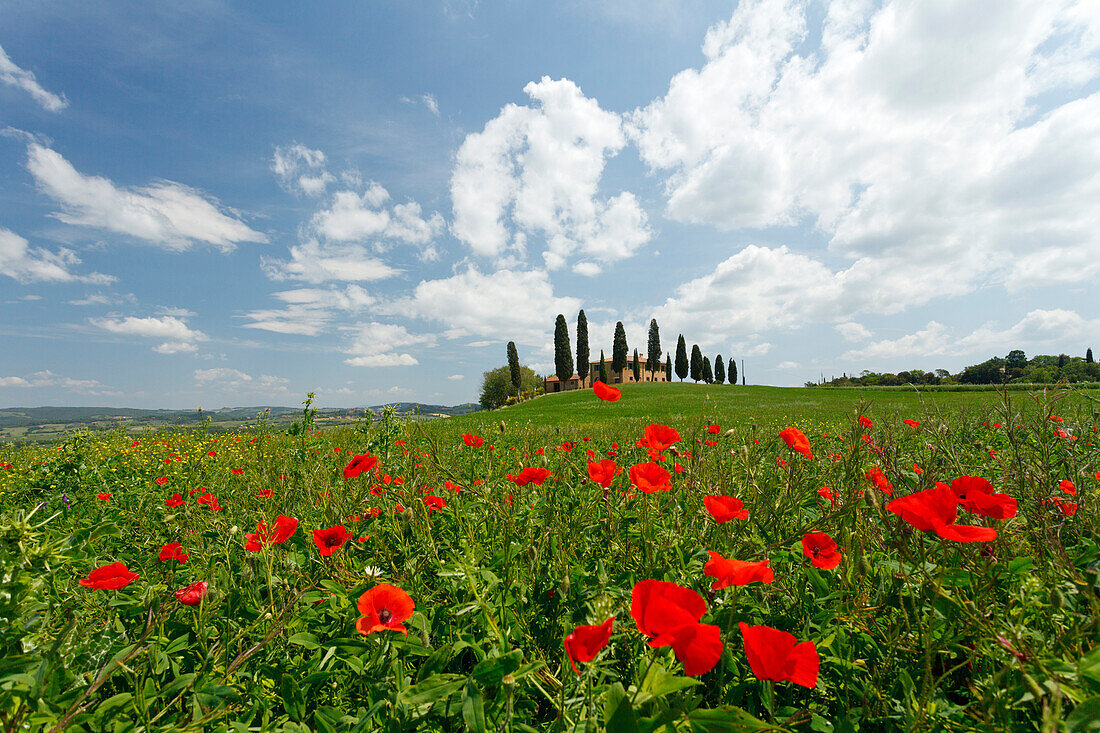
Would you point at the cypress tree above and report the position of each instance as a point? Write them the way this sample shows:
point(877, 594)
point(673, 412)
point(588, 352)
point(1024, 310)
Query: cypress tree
point(708, 375)
point(637, 367)
point(653, 360)
point(1088, 355)
point(696, 363)
point(668, 368)
point(603, 368)
point(681, 358)
point(563, 360)
point(1061, 360)
point(619, 349)
point(513, 366)
point(582, 345)
point(732, 373)
point(719, 370)
point(742, 372)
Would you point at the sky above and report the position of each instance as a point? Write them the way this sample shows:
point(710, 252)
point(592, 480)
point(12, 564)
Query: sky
point(233, 203)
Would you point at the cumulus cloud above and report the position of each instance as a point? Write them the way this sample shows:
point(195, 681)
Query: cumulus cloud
point(456, 377)
point(49, 379)
point(166, 214)
point(309, 311)
point(15, 76)
point(535, 172)
point(379, 344)
point(504, 305)
point(224, 378)
point(300, 169)
point(852, 331)
point(314, 262)
point(28, 264)
point(177, 336)
point(938, 147)
point(354, 217)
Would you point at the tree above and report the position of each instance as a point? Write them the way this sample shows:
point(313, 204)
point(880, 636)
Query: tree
point(1061, 361)
point(563, 360)
point(719, 370)
point(513, 366)
point(742, 372)
point(668, 368)
point(582, 345)
point(496, 387)
point(619, 349)
point(1088, 355)
point(637, 367)
point(696, 363)
point(708, 375)
point(653, 360)
point(603, 368)
point(681, 358)
point(731, 373)
point(1015, 364)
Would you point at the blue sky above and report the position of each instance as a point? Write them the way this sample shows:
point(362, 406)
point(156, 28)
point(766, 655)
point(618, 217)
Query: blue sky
point(236, 203)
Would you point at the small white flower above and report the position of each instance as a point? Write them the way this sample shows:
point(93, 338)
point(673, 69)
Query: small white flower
point(372, 572)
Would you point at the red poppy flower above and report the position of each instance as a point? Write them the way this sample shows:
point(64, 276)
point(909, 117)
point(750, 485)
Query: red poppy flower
point(725, 508)
point(714, 429)
point(976, 496)
point(472, 441)
point(776, 655)
point(109, 577)
point(727, 572)
point(1069, 488)
point(1069, 508)
point(214, 505)
point(1055, 418)
point(162, 479)
point(193, 594)
point(384, 607)
point(669, 615)
point(265, 494)
point(237, 471)
point(821, 549)
point(359, 464)
point(434, 503)
point(175, 501)
point(604, 392)
point(211, 453)
point(912, 423)
point(586, 641)
point(796, 440)
point(284, 528)
point(826, 493)
point(678, 468)
point(878, 478)
point(171, 551)
point(207, 499)
point(649, 477)
point(660, 437)
point(603, 473)
point(865, 422)
point(935, 510)
point(530, 475)
point(330, 540)
point(103, 496)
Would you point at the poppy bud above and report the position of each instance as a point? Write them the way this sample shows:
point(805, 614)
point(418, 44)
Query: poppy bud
point(234, 529)
point(731, 431)
point(502, 426)
point(863, 565)
point(1033, 686)
point(1057, 600)
point(564, 585)
point(508, 680)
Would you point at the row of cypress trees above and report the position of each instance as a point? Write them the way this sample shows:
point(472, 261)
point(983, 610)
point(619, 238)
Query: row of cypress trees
point(699, 366)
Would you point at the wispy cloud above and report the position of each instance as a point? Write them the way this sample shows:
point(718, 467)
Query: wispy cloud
point(22, 79)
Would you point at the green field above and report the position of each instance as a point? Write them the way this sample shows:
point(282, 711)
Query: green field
point(955, 608)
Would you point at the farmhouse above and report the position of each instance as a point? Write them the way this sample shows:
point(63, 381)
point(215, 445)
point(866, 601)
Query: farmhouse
point(553, 384)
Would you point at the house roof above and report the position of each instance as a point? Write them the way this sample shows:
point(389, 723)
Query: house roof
point(554, 378)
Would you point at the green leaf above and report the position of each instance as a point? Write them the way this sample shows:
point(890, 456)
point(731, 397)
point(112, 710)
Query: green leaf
point(726, 719)
point(435, 663)
point(1089, 666)
point(112, 705)
point(491, 671)
point(216, 695)
point(432, 690)
point(294, 701)
point(618, 714)
point(306, 639)
point(473, 708)
point(660, 682)
point(1085, 717)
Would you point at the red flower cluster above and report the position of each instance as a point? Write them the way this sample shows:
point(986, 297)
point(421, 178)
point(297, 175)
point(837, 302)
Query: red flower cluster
point(935, 510)
point(175, 501)
point(472, 441)
point(668, 614)
point(193, 594)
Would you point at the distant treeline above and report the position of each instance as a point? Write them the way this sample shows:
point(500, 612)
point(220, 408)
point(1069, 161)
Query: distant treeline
point(1014, 370)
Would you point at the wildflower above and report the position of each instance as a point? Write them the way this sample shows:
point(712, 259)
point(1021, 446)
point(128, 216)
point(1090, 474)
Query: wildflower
point(330, 540)
point(826, 493)
point(586, 641)
point(725, 508)
point(1055, 418)
point(669, 615)
point(796, 440)
point(976, 496)
point(530, 475)
point(283, 530)
point(714, 429)
point(103, 496)
point(878, 478)
point(1069, 488)
point(660, 437)
point(935, 510)
point(917, 469)
point(775, 655)
point(265, 494)
point(162, 479)
point(236, 471)
point(865, 422)
point(359, 464)
point(175, 501)
point(821, 549)
point(710, 443)
point(434, 503)
point(171, 551)
point(193, 594)
point(606, 393)
point(109, 577)
point(650, 477)
point(384, 607)
point(472, 441)
point(729, 572)
point(912, 423)
point(1068, 508)
point(603, 473)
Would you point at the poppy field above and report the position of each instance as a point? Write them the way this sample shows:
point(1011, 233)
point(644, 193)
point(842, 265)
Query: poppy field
point(599, 560)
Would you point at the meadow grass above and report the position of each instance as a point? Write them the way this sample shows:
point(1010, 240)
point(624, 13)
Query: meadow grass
point(911, 631)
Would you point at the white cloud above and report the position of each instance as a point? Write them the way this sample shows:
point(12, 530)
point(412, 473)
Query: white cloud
point(852, 331)
point(430, 103)
point(300, 169)
point(535, 172)
point(49, 379)
point(506, 305)
point(34, 264)
point(316, 263)
point(309, 310)
point(21, 78)
point(94, 299)
point(378, 344)
point(164, 213)
point(787, 365)
point(14, 382)
point(177, 336)
point(456, 377)
point(938, 146)
point(226, 378)
point(354, 217)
